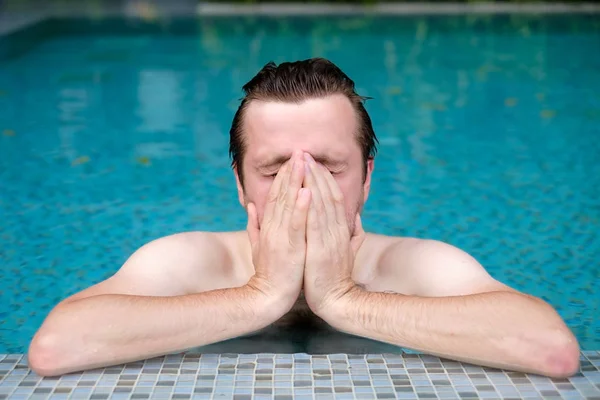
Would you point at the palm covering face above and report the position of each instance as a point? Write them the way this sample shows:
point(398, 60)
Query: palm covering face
point(304, 238)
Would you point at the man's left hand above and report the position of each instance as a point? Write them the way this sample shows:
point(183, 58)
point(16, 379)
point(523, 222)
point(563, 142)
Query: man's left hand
point(331, 247)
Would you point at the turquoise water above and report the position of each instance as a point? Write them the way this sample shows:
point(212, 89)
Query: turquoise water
point(488, 127)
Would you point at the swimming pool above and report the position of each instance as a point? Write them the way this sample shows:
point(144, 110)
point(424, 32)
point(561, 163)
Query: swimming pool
point(114, 134)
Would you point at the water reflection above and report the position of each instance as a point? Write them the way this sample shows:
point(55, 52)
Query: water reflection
point(159, 107)
point(72, 106)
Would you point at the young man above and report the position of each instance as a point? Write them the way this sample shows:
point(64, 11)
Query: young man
point(302, 146)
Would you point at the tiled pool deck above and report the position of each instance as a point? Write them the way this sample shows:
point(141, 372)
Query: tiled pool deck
point(296, 376)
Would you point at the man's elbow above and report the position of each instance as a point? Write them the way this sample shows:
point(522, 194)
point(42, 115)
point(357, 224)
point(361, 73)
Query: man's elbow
point(43, 355)
point(561, 355)
point(564, 359)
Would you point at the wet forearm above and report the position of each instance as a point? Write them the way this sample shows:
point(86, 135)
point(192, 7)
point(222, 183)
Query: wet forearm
point(499, 329)
point(113, 329)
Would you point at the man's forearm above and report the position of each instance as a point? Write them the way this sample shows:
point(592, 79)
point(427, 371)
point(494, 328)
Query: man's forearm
point(499, 329)
point(113, 329)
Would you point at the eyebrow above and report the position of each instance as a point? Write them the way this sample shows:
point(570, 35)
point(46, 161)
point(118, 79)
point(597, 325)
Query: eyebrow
point(269, 163)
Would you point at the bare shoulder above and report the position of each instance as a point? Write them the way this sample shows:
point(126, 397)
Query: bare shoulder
point(174, 265)
point(425, 267)
point(367, 264)
point(198, 261)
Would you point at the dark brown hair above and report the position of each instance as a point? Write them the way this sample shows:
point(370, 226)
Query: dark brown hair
point(295, 82)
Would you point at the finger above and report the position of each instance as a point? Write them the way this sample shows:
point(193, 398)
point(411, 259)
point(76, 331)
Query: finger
point(299, 218)
point(317, 195)
point(252, 227)
point(319, 172)
point(275, 191)
point(337, 198)
point(314, 230)
point(288, 202)
point(358, 236)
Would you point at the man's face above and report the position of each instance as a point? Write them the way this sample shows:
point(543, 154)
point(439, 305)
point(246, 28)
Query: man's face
point(325, 128)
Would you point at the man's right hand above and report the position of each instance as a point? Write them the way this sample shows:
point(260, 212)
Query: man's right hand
point(279, 244)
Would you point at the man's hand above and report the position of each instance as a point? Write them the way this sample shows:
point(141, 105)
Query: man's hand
point(279, 245)
point(331, 247)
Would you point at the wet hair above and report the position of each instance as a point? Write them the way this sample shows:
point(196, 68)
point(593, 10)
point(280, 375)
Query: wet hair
point(295, 82)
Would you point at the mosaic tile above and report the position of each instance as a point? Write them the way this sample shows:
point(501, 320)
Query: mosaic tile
point(471, 383)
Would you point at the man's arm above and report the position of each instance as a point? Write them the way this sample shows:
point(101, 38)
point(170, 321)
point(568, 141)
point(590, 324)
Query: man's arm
point(457, 310)
point(148, 309)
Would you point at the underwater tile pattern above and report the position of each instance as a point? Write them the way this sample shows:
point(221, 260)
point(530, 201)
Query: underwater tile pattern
point(296, 376)
point(112, 139)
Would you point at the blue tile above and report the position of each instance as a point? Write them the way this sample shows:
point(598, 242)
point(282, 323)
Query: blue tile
point(420, 382)
point(403, 395)
point(302, 391)
point(182, 390)
point(61, 397)
point(82, 391)
point(19, 397)
point(571, 396)
point(529, 392)
point(120, 396)
point(381, 382)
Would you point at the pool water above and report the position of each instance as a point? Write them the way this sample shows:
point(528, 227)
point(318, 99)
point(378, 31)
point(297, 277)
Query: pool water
point(489, 131)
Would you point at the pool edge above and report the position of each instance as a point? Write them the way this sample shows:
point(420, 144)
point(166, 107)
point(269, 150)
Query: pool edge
point(400, 8)
point(297, 376)
point(14, 21)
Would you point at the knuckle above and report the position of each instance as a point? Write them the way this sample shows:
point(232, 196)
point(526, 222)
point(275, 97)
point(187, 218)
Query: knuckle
point(338, 197)
point(296, 225)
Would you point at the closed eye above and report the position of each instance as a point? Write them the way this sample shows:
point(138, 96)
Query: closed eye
point(273, 175)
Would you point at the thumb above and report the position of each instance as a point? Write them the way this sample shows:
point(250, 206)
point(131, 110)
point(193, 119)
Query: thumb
point(252, 227)
point(358, 236)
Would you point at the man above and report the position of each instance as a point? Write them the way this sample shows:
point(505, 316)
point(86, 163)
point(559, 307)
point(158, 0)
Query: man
point(302, 146)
